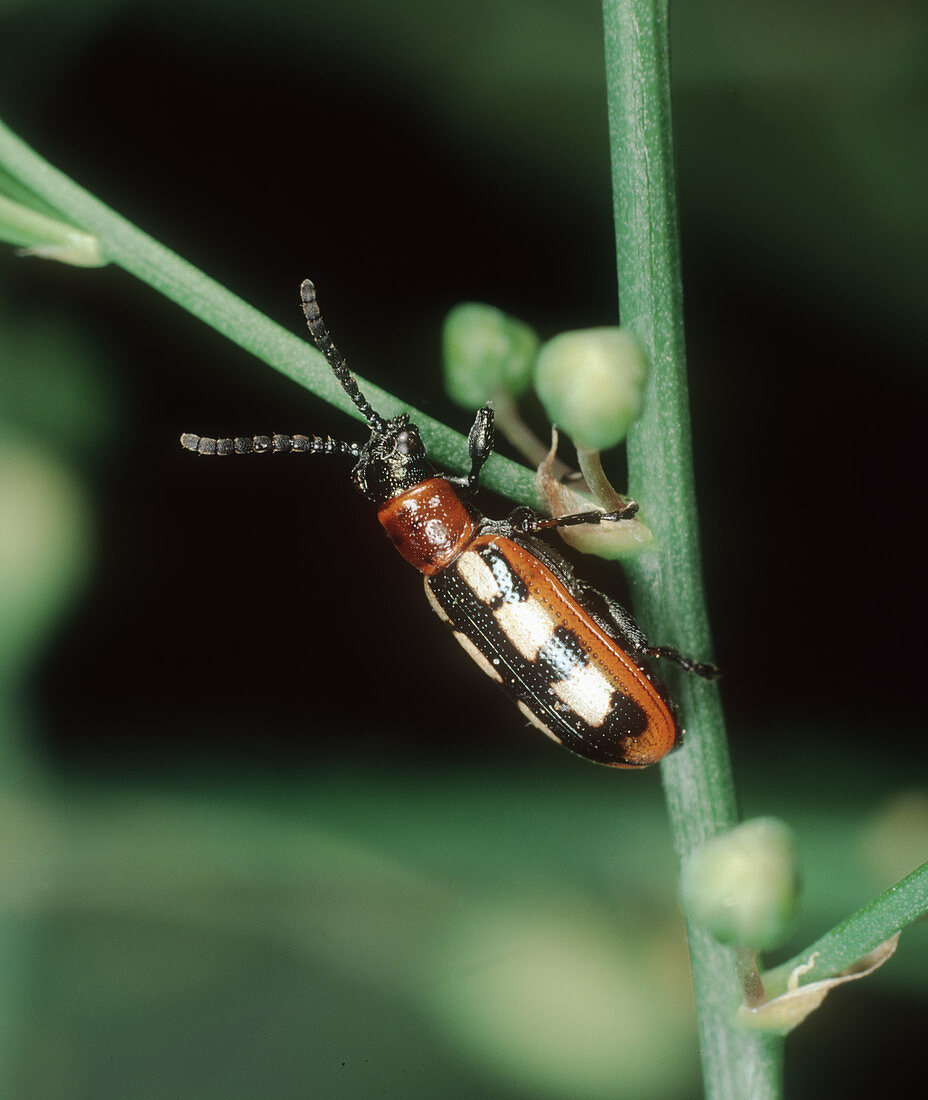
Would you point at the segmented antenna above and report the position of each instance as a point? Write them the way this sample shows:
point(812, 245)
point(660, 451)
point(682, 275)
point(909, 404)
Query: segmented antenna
point(268, 444)
point(334, 357)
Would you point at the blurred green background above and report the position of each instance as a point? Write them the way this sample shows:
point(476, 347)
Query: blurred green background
point(263, 831)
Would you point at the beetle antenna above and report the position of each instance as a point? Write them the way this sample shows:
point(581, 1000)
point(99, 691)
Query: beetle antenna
point(268, 444)
point(335, 359)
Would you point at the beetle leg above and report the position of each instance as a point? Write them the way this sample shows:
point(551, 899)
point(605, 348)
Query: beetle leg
point(631, 634)
point(701, 668)
point(480, 441)
point(529, 522)
point(617, 620)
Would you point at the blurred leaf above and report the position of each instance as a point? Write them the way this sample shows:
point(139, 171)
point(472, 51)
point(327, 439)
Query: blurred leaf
point(45, 542)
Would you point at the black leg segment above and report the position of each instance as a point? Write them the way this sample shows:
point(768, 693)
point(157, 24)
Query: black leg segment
point(699, 668)
point(529, 522)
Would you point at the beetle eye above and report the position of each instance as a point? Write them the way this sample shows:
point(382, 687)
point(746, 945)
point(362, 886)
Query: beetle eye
point(406, 441)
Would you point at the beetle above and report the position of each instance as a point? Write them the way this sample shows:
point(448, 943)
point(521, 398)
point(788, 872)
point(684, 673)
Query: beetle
point(574, 660)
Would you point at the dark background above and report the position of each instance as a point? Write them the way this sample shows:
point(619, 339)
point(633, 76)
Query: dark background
point(247, 618)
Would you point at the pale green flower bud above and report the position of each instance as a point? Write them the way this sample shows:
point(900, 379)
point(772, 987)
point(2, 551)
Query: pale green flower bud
point(743, 885)
point(486, 354)
point(591, 384)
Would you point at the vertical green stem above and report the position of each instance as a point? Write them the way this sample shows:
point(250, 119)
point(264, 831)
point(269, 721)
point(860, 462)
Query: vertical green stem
point(666, 582)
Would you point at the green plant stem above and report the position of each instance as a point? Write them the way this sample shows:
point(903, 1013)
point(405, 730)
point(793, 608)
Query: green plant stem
point(125, 245)
point(666, 582)
point(859, 934)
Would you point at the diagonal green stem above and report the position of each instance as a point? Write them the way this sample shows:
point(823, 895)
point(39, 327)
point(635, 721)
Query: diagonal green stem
point(859, 934)
point(666, 582)
point(123, 244)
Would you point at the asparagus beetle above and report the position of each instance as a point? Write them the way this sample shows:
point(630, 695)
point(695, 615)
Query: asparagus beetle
point(573, 659)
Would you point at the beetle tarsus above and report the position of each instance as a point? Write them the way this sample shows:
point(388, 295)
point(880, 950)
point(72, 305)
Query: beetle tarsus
point(704, 669)
point(480, 442)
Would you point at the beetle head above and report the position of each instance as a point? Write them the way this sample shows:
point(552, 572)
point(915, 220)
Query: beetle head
point(391, 461)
